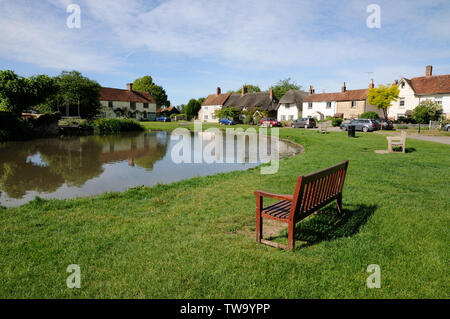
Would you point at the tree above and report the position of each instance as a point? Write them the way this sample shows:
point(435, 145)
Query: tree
point(146, 84)
point(250, 89)
point(427, 111)
point(281, 87)
point(181, 108)
point(201, 100)
point(226, 113)
point(383, 96)
point(77, 91)
point(192, 109)
point(18, 93)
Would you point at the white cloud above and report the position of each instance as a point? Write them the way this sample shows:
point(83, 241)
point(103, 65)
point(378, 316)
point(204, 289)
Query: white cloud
point(244, 33)
point(34, 35)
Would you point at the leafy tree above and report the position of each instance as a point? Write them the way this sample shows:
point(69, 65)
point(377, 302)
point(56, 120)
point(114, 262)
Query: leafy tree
point(383, 96)
point(281, 87)
point(427, 111)
point(146, 84)
point(192, 109)
point(79, 92)
point(201, 100)
point(181, 108)
point(18, 93)
point(226, 112)
point(250, 89)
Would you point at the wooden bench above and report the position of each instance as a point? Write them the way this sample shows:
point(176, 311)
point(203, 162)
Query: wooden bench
point(312, 192)
point(397, 141)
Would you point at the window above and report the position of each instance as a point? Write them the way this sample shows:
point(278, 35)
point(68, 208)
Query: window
point(133, 105)
point(145, 105)
point(402, 102)
point(206, 107)
point(287, 105)
point(118, 114)
point(402, 85)
point(291, 117)
point(213, 117)
point(309, 105)
point(438, 100)
point(328, 105)
point(205, 117)
point(110, 103)
point(353, 103)
point(283, 117)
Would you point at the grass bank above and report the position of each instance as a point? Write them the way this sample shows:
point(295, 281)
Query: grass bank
point(194, 239)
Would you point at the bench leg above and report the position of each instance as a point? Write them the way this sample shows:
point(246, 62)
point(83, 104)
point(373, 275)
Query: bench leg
point(259, 220)
point(339, 204)
point(291, 236)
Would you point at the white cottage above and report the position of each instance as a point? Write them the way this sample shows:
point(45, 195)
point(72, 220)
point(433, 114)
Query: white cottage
point(413, 91)
point(212, 103)
point(319, 106)
point(290, 106)
point(127, 103)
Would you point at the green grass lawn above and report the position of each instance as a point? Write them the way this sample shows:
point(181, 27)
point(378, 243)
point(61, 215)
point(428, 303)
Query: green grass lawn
point(195, 238)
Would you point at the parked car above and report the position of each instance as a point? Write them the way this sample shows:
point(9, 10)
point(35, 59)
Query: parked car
point(447, 127)
point(270, 121)
point(30, 112)
point(163, 119)
point(227, 122)
point(365, 125)
point(387, 124)
point(308, 122)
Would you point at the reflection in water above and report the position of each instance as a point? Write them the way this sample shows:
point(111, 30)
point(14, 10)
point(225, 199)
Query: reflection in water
point(82, 166)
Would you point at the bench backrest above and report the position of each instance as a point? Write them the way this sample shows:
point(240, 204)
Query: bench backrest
point(317, 189)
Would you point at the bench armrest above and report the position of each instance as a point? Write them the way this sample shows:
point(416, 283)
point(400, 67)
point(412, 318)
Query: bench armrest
point(275, 196)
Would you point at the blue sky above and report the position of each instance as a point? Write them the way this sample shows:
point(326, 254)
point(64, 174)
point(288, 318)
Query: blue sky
point(192, 46)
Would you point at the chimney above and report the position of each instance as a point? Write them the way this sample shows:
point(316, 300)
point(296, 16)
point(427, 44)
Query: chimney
point(429, 70)
point(311, 90)
point(130, 86)
point(344, 88)
point(244, 90)
point(271, 93)
point(396, 82)
point(218, 91)
point(371, 85)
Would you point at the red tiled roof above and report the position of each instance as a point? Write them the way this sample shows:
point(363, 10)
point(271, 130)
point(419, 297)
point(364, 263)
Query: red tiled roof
point(214, 99)
point(349, 95)
point(431, 84)
point(110, 94)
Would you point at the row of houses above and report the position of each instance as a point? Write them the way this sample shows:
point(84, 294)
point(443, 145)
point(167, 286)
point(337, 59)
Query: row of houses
point(346, 103)
point(263, 101)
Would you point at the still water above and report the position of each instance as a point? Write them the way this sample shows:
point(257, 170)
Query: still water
point(89, 165)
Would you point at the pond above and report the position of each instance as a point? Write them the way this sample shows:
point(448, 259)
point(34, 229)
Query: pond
point(88, 165)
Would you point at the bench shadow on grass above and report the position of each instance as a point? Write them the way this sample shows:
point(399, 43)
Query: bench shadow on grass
point(326, 224)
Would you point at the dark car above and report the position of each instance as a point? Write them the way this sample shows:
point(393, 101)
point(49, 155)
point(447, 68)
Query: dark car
point(270, 121)
point(306, 122)
point(226, 122)
point(387, 124)
point(163, 119)
point(365, 125)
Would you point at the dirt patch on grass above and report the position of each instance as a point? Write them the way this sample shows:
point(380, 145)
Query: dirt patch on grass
point(271, 228)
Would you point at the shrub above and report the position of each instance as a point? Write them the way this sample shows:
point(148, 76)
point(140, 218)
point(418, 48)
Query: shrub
point(336, 121)
point(369, 115)
point(13, 127)
point(248, 119)
point(402, 127)
point(116, 125)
